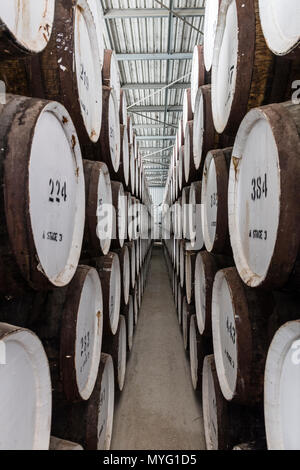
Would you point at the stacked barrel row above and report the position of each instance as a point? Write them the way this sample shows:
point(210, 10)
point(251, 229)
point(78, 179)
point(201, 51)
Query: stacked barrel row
point(75, 227)
point(233, 252)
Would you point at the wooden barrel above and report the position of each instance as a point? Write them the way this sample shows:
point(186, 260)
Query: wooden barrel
point(199, 348)
point(243, 78)
point(190, 172)
point(180, 168)
point(25, 27)
point(129, 216)
point(263, 203)
point(281, 389)
point(195, 219)
point(25, 424)
point(176, 280)
point(280, 25)
point(97, 13)
point(123, 110)
point(124, 259)
point(69, 69)
point(187, 312)
point(61, 444)
point(185, 198)
point(131, 169)
point(214, 201)
point(98, 198)
point(180, 134)
point(108, 148)
point(226, 424)
point(123, 172)
point(206, 267)
point(178, 219)
point(130, 130)
point(205, 137)
point(210, 27)
point(42, 220)
point(179, 303)
point(199, 75)
point(111, 74)
point(116, 346)
point(69, 321)
point(90, 422)
point(135, 303)
point(182, 254)
point(187, 113)
point(190, 260)
point(239, 326)
point(128, 312)
point(109, 271)
point(137, 256)
point(132, 255)
point(119, 201)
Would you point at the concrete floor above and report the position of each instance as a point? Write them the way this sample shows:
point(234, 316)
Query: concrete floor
point(158, 408)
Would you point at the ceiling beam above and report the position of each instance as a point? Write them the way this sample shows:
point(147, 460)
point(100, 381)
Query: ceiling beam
point(115, 13)
point(155, 137)
point(155, 109)
point(153, 86)
point(156, 56)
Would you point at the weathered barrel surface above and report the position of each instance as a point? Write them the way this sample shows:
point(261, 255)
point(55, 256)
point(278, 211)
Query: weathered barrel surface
point(179, 303)
point(111, 75)
point(132, 255)
point(239, 327)
point(186, 212)
point(280, 24)
point(61, 444)
point(26, 26)
point(196, 234)
point(205, 137)
point(25, 425)
point(69, 69)
point(246, 76)
point(69, 322)
point(281, 389)
point(123, 171)
point(109, 146)
point(187, 312)
point(99, 219)
point(199, 75)
point(99, 23)
point(263, 202)
point(124, 258)
point(128, 312)
point(116, 346)
point(187, 113)
point(131, 169)
point(190, 170)
point(90, 422)
point(189, 271)
point(119, 201)
point(199, 348)
point(226, 424)
point(206, 267)
point(42, 216)
point(109, 271)
point(214, 194)
point(210, 28)
point(182, 255)
point(123, 110)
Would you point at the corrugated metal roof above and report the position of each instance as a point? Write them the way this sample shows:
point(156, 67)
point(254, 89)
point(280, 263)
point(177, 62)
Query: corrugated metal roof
point(131, 35)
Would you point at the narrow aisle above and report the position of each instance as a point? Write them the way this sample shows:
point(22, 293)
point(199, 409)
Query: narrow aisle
point(158, 408)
